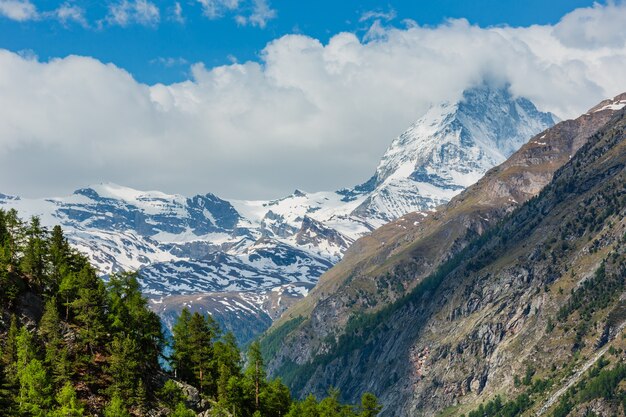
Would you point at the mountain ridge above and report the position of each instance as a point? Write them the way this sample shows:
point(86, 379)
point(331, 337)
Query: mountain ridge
point(402, 348)
point(181, 242)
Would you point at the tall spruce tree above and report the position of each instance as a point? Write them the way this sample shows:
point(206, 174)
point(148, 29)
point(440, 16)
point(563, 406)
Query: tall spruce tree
point(56, 355)
point(34, 258)
point(68, 403)
point(90, 309)
point(58, 257)
point(255, 372)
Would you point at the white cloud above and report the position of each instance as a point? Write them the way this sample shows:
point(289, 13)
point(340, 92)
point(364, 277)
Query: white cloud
point(19, 10)
point(127, 12)
point(261, 14)
point(594, 27)
point(214, 9)
point(169, 62)
point(378, 15)
point(308, 115)
point(177, 13)
point(67, 13)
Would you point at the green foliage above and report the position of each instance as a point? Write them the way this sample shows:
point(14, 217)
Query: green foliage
point(182, 411)
point(271, 342)
point(171, 394)
point(116, 408)
point(599, 382)
point(69, 405)
point(35, 393)
point(497, 408)
point(369, 405)
point(56, 357)
point(101, 343)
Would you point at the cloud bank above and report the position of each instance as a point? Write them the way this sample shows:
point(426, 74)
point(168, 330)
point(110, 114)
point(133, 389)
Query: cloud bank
point(308, 115)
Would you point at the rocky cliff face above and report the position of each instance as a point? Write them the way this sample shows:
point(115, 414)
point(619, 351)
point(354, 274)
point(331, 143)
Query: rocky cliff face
point(446, 309)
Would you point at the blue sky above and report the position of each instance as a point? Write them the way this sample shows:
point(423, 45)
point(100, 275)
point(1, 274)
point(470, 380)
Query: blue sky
point(161, 48)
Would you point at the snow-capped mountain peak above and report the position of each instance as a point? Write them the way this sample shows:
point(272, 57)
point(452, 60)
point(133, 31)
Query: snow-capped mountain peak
point(449, 148)
point(188, 245)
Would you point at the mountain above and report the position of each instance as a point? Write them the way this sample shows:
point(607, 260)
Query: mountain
point(514, 288)
point(206, 245)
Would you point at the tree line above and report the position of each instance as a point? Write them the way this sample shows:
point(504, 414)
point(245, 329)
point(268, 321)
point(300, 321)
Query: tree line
point(74, 345)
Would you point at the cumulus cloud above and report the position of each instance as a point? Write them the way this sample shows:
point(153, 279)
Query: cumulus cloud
point(126, 12)
point(19, 10)
point(307, 115)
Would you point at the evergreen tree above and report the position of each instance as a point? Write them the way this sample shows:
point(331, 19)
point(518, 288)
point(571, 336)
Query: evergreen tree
point(182, 411)
point(370, 407)
point(56, 357)
point(202, 333)
point(124, 366)
point(130, 315)
point(181, 347)
point(222, 385)
point(193, 356)
point(227, 353)
point(35, 394)
point(275, 399)
point(68, 291)
point(310, 407)
point(58, 255)
point(330, 406)
point(12, 242)
point(171, 394)
point(9, 354)
point(69, 405)
point(89, 308)
point(255, 371)
point(116, 408)
point(33, 261)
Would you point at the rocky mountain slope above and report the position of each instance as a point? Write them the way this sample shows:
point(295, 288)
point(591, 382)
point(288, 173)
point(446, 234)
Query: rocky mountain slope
point(207, 245)
point(519, 278)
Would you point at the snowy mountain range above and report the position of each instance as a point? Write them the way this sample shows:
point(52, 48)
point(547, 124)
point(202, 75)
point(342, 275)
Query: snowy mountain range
point(264, 254)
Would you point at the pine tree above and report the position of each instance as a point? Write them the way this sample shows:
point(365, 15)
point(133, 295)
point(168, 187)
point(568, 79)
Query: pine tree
point(370, 407)
point(256, 371)
point(227, 353)
point(89, 308)
point(193, 356)
point(56, 353)
point(330, 406)
point(275, 399)
point(9, 354)
point(13, 239)
point(33, 261)
point(124, 366)
point(171, 394)
point(182, 411)
point(58, 255)
point(116, 408)
point(69, 405)
point(130, 315)
point(310, 407)
point(68, 291)
point(202, 332)
point(181, 347)
point(35, 394)
point(222, 385)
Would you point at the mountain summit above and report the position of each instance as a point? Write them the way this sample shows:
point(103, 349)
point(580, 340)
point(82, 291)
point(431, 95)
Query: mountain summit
point(255, 253)
point(448, 149)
